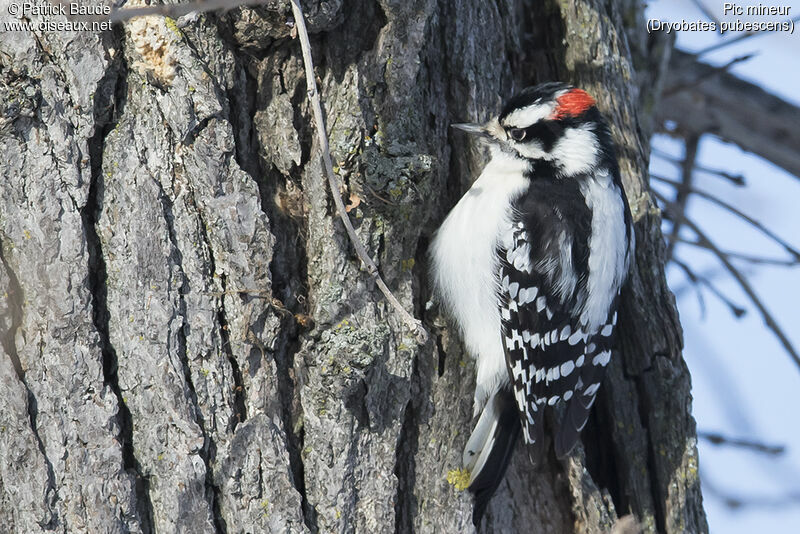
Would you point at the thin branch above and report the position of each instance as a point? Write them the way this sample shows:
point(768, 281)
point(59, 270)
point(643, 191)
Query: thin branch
point(737, 39)
point(705, 11)
point(743, 283)
point(708, 196)
point(313, 95)
point(736, 179)
point(757, 260)
point(737, 311)
point(682, 198)
point(713, 71)
point(695, 282)
point(735, 502)
point(718, 439)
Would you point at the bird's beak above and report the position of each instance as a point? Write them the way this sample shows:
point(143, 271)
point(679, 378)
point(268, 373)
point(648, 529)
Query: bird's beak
point(491, 129)
point(469, 127)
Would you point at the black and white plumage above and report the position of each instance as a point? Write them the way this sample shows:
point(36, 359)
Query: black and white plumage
point(530, 263)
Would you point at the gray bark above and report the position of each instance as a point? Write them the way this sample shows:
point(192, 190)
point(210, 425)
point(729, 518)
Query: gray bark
point(189, 343)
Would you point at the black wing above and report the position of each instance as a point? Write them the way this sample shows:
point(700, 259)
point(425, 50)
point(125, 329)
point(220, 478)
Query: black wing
point(597, 354)
point(551, 356)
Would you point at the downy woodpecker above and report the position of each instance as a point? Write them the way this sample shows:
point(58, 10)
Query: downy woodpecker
point(530, 263)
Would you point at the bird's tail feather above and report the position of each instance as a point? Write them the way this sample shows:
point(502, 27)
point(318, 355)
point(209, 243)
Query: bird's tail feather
point(489, 448)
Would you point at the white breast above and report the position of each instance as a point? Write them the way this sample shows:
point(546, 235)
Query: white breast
point(465, 265)
point(608, 260)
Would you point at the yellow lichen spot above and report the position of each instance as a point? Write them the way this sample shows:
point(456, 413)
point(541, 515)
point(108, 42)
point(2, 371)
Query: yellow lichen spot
point(408, 264)
point(205, 371)
point(160, 457)
point(462, 364)
point(173, 26)
point(338, 514)
point(27, 234)
point(265, 507)
point(459, 478)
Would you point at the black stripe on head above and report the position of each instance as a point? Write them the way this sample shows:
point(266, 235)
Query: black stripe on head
point(529, 95)
point(547, 132)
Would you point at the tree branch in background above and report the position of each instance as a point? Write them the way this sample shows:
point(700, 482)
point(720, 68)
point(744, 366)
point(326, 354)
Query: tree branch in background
point(734, 502)
point(313, 95)
point(698, 280)
point(676, 213)
point(695, 282)
point(718, 439)
point(705, 11)
point(735, 179)
point(682, 197)
point(737, 39)
point(756, 224)
point(711, 72)
point(737, 111)
point(757, 260)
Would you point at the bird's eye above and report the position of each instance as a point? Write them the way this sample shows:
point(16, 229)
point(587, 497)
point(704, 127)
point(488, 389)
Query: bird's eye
point(517, 134)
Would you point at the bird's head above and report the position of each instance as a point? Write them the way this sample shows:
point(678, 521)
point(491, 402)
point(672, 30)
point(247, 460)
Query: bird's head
point(551, 122)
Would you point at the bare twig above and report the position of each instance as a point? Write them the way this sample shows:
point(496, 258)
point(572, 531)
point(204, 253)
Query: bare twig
point(737, 311)
point(682, 197)
point(705, 11)
point(695, 281)
point(713, 71)
point(758, 260)
point(718, 439)
point(736, 39)
point(743, 283)
point(313, 95)
point(736, 179)
point(708, 196)
point(739, 501)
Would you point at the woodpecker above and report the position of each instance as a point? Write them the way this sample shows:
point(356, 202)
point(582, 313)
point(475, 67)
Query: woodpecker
point(530, 264)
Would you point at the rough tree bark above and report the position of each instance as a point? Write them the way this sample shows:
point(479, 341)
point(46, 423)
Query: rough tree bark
point(189, 343)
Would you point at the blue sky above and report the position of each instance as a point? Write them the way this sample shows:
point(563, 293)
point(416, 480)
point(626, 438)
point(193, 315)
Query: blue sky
point(744, 384)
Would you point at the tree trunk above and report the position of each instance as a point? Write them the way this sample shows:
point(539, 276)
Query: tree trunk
point(189, 343)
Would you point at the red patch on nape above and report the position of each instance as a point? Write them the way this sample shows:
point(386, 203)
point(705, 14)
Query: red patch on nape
point(573, 103)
